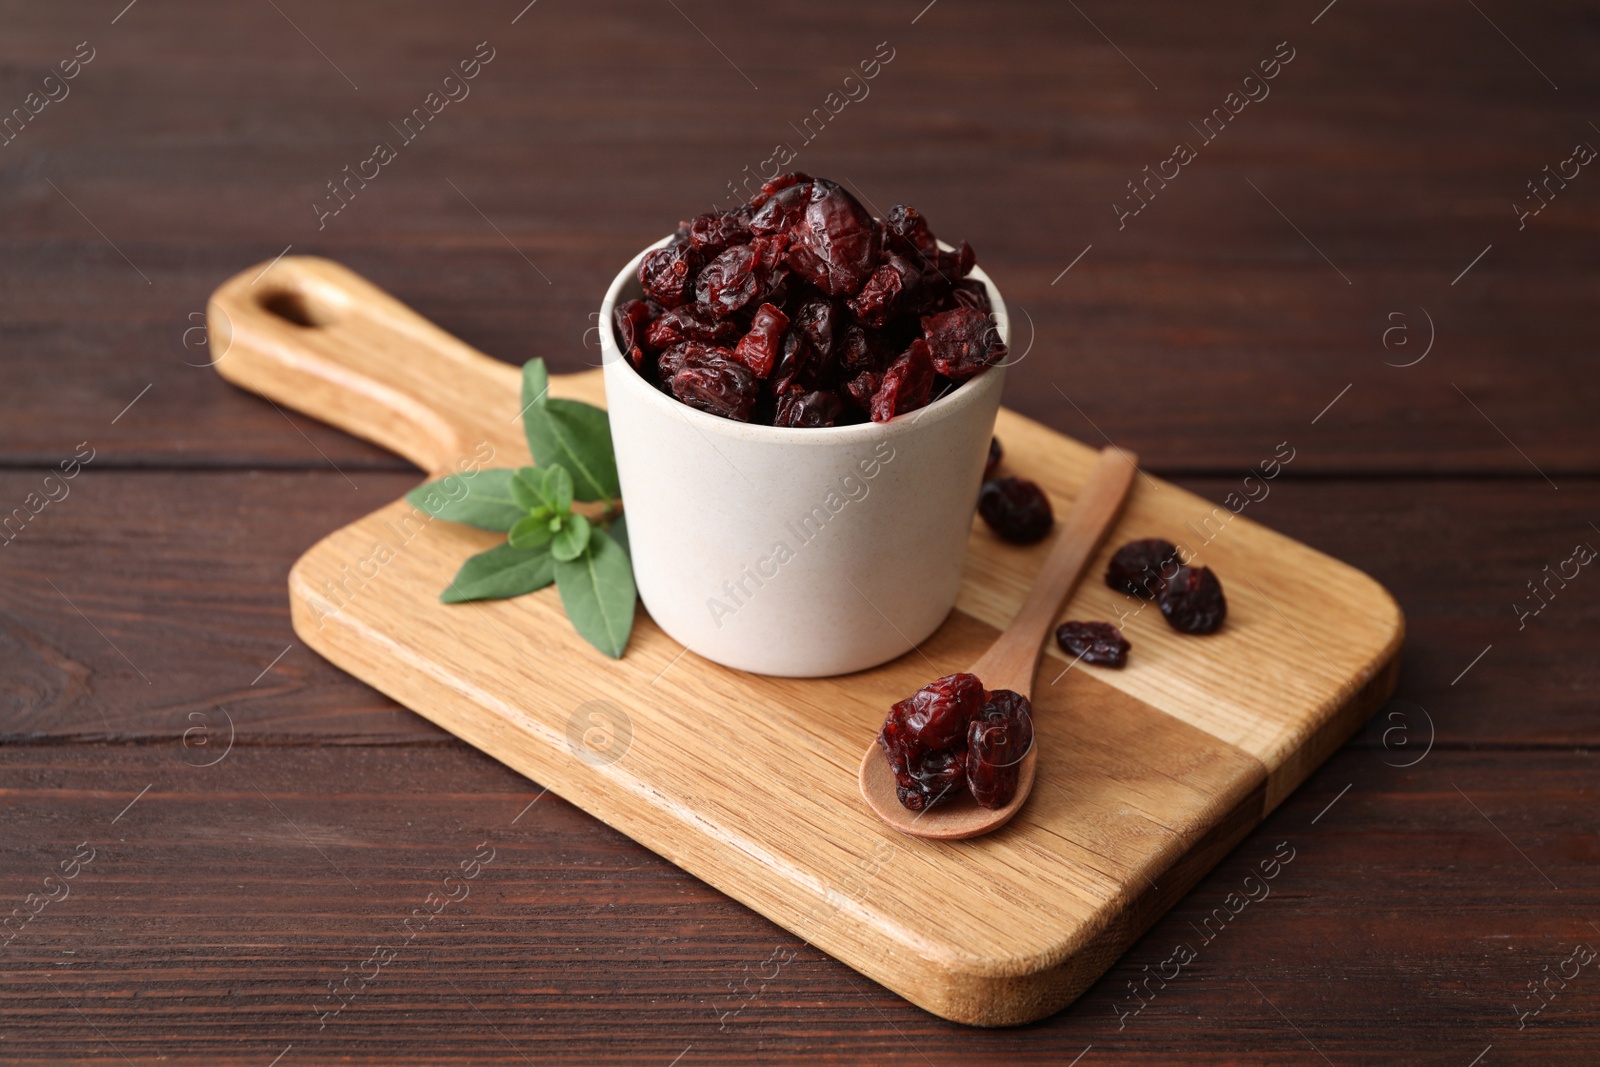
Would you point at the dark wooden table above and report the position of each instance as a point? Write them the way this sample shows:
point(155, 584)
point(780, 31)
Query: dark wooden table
point(1344, 267)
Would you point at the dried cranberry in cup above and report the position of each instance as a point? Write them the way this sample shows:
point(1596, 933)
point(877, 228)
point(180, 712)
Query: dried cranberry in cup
point(836, 316)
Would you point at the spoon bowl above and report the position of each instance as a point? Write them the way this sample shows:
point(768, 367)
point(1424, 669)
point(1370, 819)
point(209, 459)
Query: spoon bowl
point(1010, 663)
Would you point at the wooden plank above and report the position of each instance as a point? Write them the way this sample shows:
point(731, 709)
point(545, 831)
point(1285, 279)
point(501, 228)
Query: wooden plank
point(207, 927)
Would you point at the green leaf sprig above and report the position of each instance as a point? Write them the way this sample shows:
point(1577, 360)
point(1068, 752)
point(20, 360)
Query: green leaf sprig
point(546, 540)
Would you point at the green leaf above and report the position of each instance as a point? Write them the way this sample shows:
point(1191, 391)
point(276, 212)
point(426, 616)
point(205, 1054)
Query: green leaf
point(483, 499)
point(572, 539)
point(619, 533)
point(598, 594)
point(531, 532)
point(574, 434)
point(558, 488)
point(503, 571)
point(527, 488)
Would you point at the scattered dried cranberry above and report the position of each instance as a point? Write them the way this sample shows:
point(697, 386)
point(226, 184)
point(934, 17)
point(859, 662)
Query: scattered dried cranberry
point(1141, 568)
point(998, 737)
point(1094, 642)
point(1192, 601)
point(906, 384)
point(1016, 509)
point(995, 455)
point(667, 274)
point(712, 380)
point(817, 408)
point(759, 348)
point(964, 341)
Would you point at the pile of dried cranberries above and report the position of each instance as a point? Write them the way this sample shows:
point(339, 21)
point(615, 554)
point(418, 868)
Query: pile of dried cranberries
point(800, 309)
point(952, 736)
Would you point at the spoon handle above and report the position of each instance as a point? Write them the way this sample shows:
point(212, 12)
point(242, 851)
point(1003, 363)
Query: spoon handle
point(1012, 659)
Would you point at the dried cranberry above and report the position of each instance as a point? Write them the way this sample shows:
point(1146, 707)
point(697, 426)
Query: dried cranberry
point(953, 266)
point(716, 230)
point(819, 407)
point(714, 381)
point(820, 303)
point(906, 384)
point(691, 322)
point(972, 294)
point(906, 231)
point(858, 391)
point(964, 341)
point(1016, 509)
point(998, 737)
point(1141, 568)
point(783, 210)
point(759, 349)
point(882, 294)
point(924, 739)
point(781, 182)
point(795, 359)
point(631, 318)
point(817, 320)
point(932, 777)
point(936, 715)
point(667, 274)
point(671, 361)
point(995, 454)
point(833, 243)
point(1192, 601)
point(860, 349)
point(1093, 642)
point(728, 282)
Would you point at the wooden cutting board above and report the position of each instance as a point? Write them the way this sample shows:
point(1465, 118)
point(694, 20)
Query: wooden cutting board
point(1147, 776)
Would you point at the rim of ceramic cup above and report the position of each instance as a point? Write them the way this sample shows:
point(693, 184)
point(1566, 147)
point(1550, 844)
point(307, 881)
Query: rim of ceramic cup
point(963, 395)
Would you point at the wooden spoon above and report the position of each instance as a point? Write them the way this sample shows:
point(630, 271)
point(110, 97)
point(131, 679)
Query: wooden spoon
point(1011, 661)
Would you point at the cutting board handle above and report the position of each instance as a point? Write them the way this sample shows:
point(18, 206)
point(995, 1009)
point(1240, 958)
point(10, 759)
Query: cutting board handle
point(311, 335)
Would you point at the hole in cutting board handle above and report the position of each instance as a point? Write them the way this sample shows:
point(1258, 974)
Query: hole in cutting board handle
point(292, 305)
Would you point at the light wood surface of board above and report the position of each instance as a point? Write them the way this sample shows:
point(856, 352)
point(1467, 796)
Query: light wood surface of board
point(1146, 776)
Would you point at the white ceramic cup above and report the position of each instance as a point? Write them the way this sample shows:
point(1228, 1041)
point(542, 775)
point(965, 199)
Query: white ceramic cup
point(791, 551)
